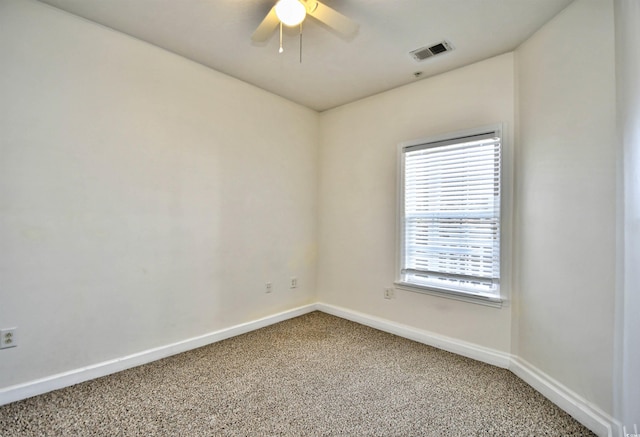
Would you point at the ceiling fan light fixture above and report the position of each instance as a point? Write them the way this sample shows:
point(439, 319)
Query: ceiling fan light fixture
point(290, 12)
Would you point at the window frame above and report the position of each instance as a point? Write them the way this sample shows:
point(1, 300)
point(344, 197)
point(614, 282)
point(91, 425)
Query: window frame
point(500, 297)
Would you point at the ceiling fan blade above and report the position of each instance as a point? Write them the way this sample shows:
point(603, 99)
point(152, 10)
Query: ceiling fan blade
point(265, 29)
point(333, 19)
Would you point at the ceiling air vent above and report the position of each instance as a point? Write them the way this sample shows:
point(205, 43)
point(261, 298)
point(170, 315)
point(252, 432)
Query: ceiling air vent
point(426, 52)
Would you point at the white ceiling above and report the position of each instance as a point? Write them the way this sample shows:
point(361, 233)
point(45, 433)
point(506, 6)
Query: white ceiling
point(334, 71)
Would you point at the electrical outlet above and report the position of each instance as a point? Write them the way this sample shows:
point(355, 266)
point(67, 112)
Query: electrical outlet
point(268, 287)
point(293, 282)
point(389, 293)
point(8, 338)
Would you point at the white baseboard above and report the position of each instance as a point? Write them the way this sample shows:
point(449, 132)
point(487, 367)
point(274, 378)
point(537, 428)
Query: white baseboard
point(66, 379)
point(579, 408)
point(470, 350)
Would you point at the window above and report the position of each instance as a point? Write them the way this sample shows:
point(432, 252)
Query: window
point(450, 189)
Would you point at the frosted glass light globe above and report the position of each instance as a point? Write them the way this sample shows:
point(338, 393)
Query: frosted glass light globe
point(290, 12)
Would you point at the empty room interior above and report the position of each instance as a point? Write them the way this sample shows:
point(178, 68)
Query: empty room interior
point(168, 183)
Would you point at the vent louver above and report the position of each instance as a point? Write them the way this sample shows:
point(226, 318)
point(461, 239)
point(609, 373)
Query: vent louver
point(426, 52)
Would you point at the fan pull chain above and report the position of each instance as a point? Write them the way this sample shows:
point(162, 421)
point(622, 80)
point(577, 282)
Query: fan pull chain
point(281, 49)
point(301, 43)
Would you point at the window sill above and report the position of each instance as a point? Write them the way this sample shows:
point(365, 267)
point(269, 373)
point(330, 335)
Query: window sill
point(494, 302)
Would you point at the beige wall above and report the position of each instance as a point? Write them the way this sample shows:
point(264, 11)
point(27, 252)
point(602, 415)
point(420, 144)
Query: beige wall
point(357, 222)
point(565, 200)
point(627, 17)
point(144, 199)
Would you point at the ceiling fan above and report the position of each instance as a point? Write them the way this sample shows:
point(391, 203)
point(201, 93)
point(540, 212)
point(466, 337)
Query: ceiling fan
point(293, 12)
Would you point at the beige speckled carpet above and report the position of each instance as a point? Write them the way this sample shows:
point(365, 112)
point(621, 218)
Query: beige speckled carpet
point(315, 375)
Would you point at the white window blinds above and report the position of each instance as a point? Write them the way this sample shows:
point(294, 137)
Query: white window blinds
point(451, 214)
